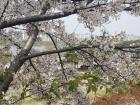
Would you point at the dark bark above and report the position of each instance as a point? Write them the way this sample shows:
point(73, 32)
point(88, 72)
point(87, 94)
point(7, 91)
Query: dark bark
point(18, 62)
point(4, 10)
point(37, 18)
point(76, 48)
point(14, 67)
point(59, 56)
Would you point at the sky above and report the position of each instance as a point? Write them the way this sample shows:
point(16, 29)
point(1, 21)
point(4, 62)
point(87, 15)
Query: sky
point(128, 23)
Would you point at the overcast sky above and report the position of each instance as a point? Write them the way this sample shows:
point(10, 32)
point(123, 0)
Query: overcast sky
point(128, 23)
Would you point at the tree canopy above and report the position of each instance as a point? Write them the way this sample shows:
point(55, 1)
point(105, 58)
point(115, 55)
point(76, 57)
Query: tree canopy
point(45, 74)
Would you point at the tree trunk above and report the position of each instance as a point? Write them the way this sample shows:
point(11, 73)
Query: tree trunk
point(18, 62)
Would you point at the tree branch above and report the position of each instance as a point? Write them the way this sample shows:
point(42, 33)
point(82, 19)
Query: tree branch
point(6, 5)
point(37, 18)
point(61, 62)
point(76, 49)
point(56, 51)
point(17, 62)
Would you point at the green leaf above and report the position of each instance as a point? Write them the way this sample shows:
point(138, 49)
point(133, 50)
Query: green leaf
point(101, 87)
point(56, 93)
point(7, 55)
point(1, 97)
point(91, 87)
point(55, 87)
point(94, 88)
point(7, 103)
point(130, 82)
point(38, 76)
point(109, 90)
point(138, 84)
point(48, 97)
point(23, 94)
point(121, 89)
point(73, 85)
point(72, 57)
point(1, 76)
point(95, 76)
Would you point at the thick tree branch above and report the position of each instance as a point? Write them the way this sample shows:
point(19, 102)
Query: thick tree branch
point(17, 62)
point(76, 49)
point(55, 51)
point(37, 18)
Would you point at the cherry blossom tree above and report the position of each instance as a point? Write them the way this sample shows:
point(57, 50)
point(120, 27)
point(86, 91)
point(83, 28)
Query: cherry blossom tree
point(37, 71)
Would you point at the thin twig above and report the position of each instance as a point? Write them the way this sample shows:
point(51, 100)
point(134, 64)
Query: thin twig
point(61, 62)
point(6, 5)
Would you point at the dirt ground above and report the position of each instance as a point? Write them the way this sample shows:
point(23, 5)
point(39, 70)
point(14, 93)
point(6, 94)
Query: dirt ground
point(132, 98)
